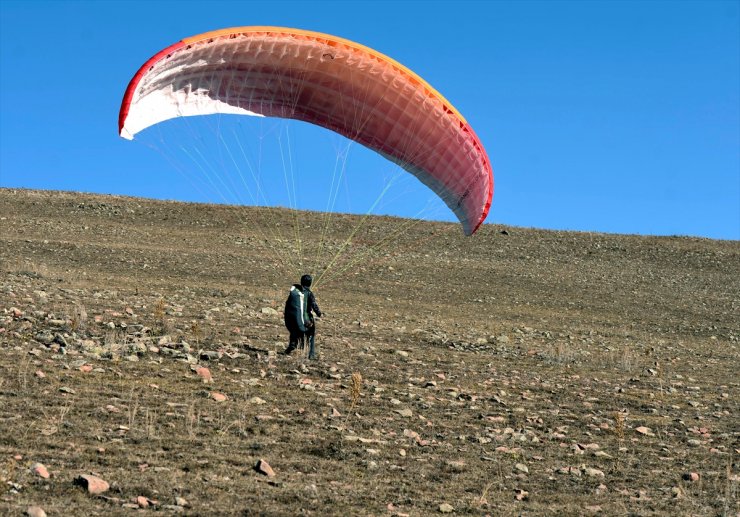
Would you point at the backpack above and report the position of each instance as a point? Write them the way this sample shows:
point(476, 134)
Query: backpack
point(295, 309)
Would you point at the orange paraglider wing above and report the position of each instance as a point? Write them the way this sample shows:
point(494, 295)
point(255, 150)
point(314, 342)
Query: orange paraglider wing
point(325, 80)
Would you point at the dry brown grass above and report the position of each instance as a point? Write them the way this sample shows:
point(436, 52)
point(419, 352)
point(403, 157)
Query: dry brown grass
point(585, 326)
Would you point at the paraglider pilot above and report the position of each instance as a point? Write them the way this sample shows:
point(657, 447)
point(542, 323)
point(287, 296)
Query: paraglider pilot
point(299, 310)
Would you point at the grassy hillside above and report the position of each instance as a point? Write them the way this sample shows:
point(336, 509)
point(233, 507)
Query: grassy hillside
point(517, 371)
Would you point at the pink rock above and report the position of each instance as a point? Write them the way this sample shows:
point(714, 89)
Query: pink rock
point(218, 397)
point(35, 511)
point(520, 494)
point(40, 470)
point(411, 434)
point(86, 368)
point(264, 468)
point(691, 476)
point(40, 374)
point(204, 373)
point(644, 430)
point(142, 501)
point(93, 484)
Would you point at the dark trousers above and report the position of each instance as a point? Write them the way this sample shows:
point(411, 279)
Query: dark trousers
point(299, 338)
point(310, 335)
point(295, 339)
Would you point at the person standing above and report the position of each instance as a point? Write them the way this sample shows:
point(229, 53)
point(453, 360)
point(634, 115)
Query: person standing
point(300, 308)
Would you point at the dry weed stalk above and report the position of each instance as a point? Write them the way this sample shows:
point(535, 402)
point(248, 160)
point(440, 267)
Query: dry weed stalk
point(53, 422)
point(619, 425)
point(483, 499)
point(619, 421)
point(197, 332)
point(150, 418)
point(730, 487)
point(626, 360)
point(354, 388)
point(133, 408)
point(78, 317)
point(159, 313)
point(192, 420)
point(23, 372)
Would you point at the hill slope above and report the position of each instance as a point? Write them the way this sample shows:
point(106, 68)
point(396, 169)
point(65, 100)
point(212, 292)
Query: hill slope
point(515, 371)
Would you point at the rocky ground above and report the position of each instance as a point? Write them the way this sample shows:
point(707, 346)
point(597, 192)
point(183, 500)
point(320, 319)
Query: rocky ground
point(515, 372)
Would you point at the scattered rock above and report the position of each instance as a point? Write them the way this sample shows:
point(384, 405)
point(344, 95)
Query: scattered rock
point(644, 430)
point(521, 467)
point(446, 508)
point(520, 494)
point(93, 484)
point(204, 373)
point(691, 476)
point(35, 511)
point(264, 468)
point(210, 355)
point(592, 472)
point(40, 470)
point(411, 434)
point(218, 397)
point(454, 465)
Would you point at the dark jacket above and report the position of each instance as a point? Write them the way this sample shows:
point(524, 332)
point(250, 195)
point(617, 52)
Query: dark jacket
point(311, 305)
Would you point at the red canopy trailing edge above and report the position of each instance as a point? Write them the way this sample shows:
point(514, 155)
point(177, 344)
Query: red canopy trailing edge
point(325, 80)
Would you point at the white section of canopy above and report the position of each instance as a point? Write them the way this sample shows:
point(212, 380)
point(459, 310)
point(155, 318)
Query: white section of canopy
point(169, 103)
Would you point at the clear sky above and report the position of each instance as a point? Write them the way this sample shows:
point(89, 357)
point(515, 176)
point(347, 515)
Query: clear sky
point(597, 116)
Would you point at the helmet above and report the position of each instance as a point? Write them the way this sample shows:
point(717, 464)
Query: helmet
point(306, 280)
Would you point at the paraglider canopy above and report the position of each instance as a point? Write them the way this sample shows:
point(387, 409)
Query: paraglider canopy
point(324, 80)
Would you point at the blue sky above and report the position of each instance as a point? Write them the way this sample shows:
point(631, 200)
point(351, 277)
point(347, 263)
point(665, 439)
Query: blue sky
point(597, 116)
